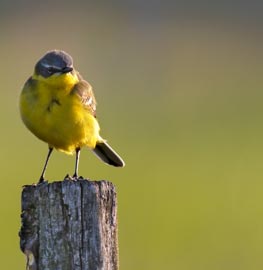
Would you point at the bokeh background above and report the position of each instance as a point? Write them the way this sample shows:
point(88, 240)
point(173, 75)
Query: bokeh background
point(179, 90)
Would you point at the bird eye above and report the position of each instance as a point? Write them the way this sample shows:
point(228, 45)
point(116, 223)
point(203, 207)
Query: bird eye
point(50, 70)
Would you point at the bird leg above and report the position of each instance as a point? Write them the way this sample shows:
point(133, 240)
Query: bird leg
point(42, 177)
point(75, 175)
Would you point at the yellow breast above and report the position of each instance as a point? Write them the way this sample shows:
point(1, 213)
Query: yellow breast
point(56, 115)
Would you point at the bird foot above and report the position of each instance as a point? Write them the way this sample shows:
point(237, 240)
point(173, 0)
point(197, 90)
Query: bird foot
point(41, 181)
point(68, 177)
point(73, 178)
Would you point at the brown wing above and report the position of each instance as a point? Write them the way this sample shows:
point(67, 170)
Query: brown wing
point(84, 90)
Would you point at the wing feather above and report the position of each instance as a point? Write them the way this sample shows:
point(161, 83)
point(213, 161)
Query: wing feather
point(84, 90)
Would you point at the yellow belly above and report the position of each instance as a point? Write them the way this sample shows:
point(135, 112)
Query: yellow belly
point(58, 118)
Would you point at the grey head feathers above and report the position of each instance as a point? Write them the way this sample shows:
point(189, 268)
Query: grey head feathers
point(52, 62)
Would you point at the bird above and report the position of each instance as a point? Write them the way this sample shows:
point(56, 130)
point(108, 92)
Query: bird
point(59, 107)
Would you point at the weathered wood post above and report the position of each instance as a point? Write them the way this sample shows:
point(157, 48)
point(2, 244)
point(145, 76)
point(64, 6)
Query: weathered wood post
point(70, 225)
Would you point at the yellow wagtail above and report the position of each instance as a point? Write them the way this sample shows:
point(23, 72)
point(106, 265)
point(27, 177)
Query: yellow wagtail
point(59, 107)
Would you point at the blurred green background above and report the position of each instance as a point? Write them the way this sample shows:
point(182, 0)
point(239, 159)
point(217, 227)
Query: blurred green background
point(179, 90)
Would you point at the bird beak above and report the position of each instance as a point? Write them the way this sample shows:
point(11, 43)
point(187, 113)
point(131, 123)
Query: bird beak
point(67, 69)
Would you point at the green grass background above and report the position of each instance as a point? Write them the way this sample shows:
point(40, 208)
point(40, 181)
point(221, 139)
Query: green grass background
point(180, 97)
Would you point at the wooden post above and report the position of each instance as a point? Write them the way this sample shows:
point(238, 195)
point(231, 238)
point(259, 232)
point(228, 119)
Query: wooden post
point(70, 225)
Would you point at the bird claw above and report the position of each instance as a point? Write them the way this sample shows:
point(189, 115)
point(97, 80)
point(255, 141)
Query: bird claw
point(68, 177)
point(76, 177)
point(73, 178)
point(41, 181)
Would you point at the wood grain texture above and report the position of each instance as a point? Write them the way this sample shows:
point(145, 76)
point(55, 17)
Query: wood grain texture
point(70, 225)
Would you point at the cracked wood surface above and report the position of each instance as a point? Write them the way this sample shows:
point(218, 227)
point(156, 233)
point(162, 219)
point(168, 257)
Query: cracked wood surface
point(70, 225)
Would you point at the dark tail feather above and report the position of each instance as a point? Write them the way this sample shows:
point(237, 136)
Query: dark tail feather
point(108, 155)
